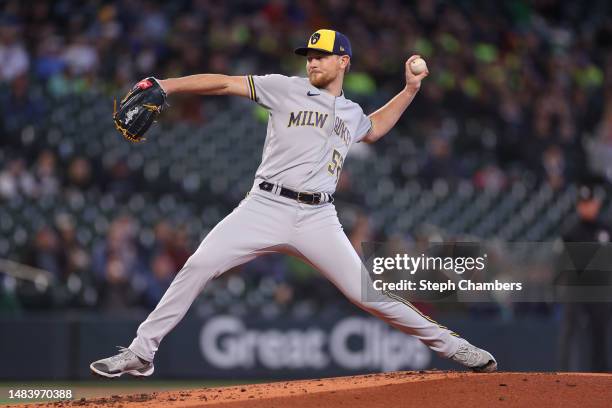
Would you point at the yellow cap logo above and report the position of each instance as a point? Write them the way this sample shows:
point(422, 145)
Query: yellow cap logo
point(324, 40)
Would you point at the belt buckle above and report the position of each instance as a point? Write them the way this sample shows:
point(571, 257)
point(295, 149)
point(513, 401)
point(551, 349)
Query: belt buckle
point(299, 200)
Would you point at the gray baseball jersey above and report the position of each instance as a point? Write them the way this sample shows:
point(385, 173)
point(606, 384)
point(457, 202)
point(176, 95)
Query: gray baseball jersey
point(309, 134)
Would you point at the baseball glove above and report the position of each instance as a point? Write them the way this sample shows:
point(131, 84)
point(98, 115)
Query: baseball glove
point(139, 109)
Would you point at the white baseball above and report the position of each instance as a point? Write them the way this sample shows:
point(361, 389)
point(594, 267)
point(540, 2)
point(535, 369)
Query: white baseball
point(417, 66)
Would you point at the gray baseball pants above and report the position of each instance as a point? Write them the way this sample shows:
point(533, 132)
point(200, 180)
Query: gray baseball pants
point(264, 223)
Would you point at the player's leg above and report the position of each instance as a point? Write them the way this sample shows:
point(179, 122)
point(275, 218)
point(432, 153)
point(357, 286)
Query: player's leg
point(599, 318)
point(255, 227)
point(572, 314)
point(322, 242)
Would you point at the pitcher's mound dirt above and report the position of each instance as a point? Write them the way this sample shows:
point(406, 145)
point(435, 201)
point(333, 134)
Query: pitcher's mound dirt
point(399, 389)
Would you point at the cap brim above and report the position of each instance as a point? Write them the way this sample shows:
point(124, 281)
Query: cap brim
point(303, 51)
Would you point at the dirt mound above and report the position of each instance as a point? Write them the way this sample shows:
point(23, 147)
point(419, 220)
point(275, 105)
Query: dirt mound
point(420, 389)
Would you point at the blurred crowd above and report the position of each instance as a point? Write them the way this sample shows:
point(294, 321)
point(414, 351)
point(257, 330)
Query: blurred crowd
point(129, 265)
point(514, 86)
point(518, 84)
point(113, 273)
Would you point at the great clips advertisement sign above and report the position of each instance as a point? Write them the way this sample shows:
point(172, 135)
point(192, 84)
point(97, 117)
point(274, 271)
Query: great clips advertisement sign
point(230, 346)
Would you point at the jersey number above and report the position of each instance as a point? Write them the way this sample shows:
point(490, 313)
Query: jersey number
point(335, 166)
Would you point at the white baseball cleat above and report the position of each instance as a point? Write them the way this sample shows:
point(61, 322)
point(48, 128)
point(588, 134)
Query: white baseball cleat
point(126, 362)
point(479, 360)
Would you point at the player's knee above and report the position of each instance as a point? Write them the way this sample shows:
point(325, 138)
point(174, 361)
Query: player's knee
point(375, 308)
point(362, 303)
point(355, 295)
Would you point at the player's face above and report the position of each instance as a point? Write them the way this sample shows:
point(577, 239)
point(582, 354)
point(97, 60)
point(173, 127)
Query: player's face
point(324, 68)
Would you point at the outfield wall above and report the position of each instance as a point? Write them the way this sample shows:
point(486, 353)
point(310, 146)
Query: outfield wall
point(227, 347)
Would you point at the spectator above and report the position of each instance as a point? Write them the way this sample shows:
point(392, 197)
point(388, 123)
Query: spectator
point(555, 168)
point(20, 108)
point(118, 266)
point(80, 56)
point(490, 178)
point(439, 162)
point(79, 174)
point(118, 292)
point(15, 180)
point(46, 253)
point(78, 280)
point(171, 243)
point(121, 181)
point(46, 176)
point(180, 249)
point(49, 62)
point(15, 59)
point(164, 235)
point(162, 274)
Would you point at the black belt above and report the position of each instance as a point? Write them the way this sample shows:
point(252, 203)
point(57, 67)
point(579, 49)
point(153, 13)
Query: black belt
point(306, 198)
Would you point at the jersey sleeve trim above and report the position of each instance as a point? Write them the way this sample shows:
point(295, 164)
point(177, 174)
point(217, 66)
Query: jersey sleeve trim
point(370, 128)
point(252, 94)
point(367, 132)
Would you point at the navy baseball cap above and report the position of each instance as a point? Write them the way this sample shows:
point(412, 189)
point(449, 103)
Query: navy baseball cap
point(329, 41)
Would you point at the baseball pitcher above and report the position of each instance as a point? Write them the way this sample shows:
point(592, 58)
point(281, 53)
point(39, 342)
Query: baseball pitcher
point(311, 128)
